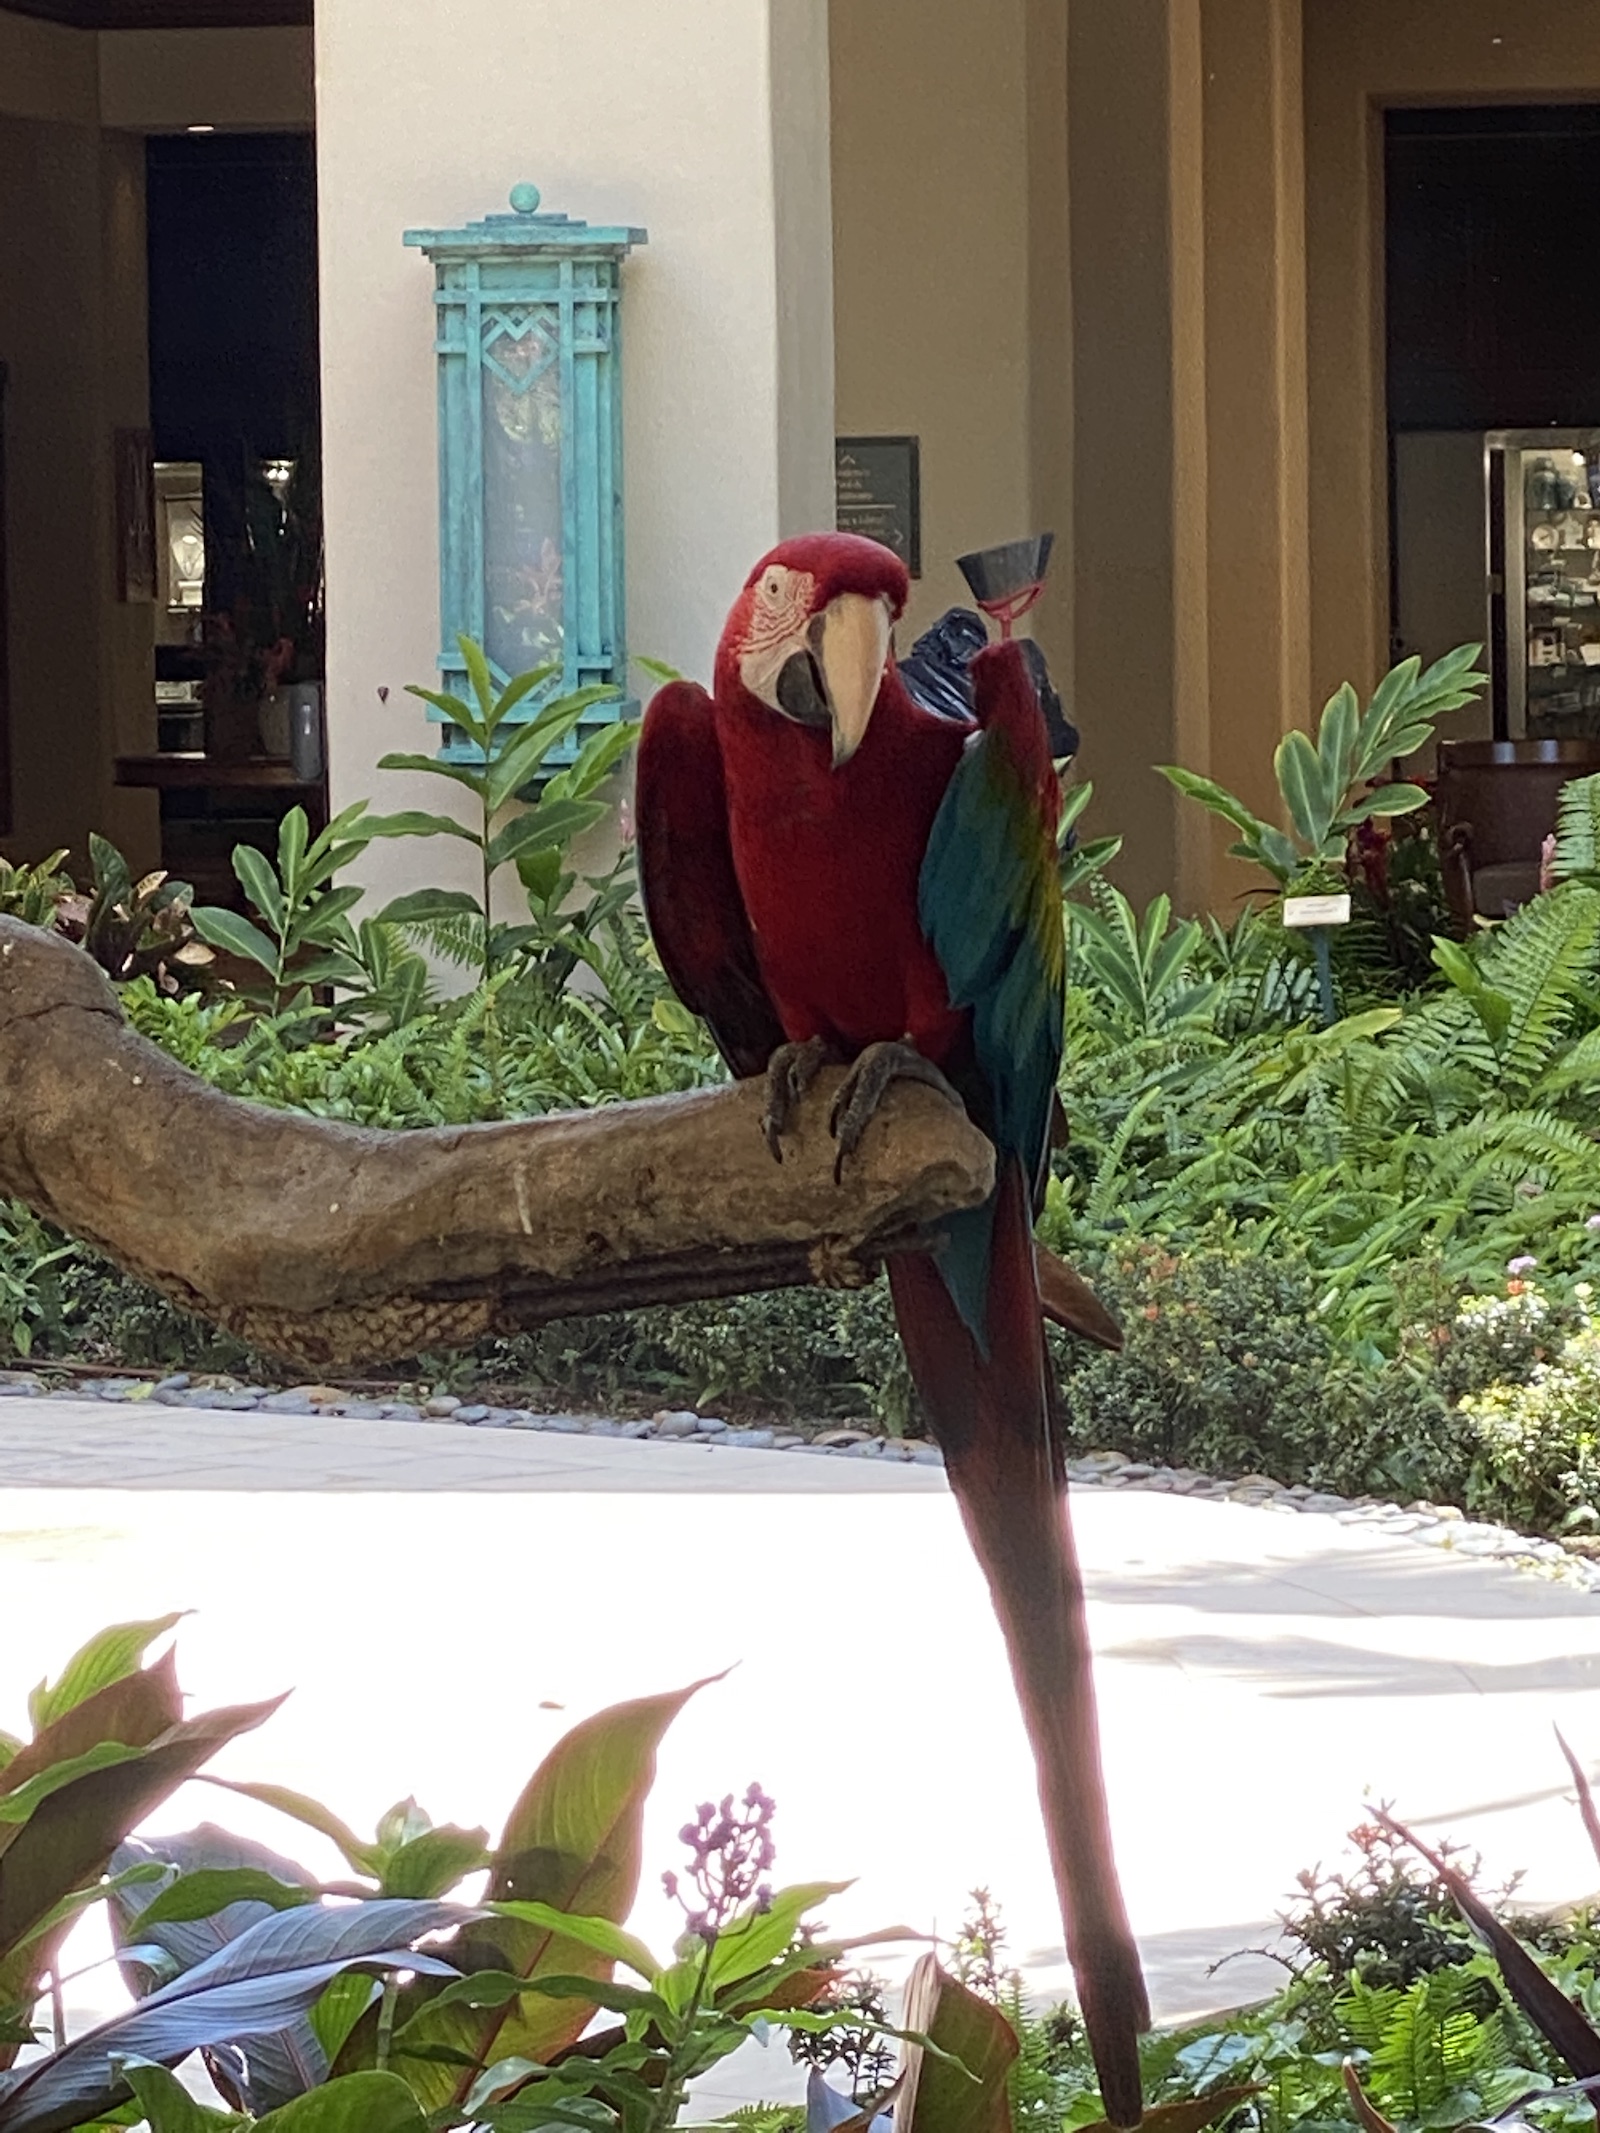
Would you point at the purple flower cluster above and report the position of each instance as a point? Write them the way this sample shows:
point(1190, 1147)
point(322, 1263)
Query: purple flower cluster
point(730, 1849)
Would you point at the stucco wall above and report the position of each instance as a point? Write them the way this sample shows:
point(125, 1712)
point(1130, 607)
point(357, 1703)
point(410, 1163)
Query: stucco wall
point(931, 261)
point(426, 116)
point(157, 81)
point(1361, 55)
point(1050, 374)
point(47, 71)
point(50, 336)
point(1139, 440)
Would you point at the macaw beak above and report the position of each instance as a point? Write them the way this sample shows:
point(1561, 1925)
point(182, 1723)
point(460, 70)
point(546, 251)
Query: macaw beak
point(849, 641)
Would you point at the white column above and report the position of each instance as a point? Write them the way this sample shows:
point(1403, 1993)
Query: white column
point(706, 121)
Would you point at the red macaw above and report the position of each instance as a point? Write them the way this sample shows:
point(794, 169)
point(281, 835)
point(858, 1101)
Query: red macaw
point(833, 874)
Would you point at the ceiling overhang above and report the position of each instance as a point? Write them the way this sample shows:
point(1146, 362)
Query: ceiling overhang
point(165, 14)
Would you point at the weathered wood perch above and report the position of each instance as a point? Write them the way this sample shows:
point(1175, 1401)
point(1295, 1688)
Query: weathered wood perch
point(334, 1245)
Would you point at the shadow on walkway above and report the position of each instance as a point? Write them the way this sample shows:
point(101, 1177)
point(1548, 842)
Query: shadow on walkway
point(1403, 1578)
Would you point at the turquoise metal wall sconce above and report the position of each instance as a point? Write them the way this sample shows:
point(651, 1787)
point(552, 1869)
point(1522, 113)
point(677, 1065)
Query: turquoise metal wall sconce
point(528, 340)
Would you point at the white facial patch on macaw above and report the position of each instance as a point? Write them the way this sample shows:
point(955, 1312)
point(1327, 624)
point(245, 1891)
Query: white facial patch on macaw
point(779, 615)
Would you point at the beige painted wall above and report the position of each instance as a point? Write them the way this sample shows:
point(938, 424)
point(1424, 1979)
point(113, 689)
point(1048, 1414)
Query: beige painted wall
point(1257, 574)
point(1190, 453)
point(1049, 402)
point(50, 336)
point(46, 71)
point(728, 396)
point(1139, 457)
point(157, 81)
point(1360, 56)
point(931, 261)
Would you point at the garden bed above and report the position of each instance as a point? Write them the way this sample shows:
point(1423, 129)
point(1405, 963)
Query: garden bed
point(1354, 1256)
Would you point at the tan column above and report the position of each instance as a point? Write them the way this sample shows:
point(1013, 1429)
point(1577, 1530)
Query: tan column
point(1191, 573)
point(1049, 410)
point(1257, 515)
point(1139, 447)
point(931, 261)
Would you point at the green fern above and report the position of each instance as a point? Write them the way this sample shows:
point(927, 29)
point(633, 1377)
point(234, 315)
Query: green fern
point(1538, 962)
point(1574, 1069)
point(1428, 2044)
point(1577, 853)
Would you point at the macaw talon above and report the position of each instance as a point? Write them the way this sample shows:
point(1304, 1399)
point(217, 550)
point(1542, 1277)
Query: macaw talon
point(863, 1088)
point(790, 1072)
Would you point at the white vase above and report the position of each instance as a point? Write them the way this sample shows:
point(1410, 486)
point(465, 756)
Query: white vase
point(305, 730)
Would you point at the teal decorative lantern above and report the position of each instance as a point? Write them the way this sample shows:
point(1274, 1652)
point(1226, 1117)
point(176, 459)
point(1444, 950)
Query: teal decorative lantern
point(528, 339)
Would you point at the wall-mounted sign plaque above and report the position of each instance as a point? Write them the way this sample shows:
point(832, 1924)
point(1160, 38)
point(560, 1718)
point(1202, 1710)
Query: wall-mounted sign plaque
point(878, 489)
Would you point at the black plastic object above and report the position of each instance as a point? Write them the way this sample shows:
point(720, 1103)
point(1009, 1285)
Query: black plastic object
point(936, 670)
point(936, 675)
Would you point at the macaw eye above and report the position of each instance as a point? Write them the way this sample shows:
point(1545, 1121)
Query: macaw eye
point(772, 584)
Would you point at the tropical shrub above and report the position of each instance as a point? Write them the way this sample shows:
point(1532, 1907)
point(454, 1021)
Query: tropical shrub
point(1306, 1230)
point(462, 922)
point(1453, 1128)
point(401, 2006)
point(1413, 2000)
point(1537, 1440)
point(33, 1263)
point(108, 1742)
point(1231, 1368)
point(304, 938)
point(31, 893)
point(1333, 785)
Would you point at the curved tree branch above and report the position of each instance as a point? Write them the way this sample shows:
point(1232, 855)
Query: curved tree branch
point(336, 1245)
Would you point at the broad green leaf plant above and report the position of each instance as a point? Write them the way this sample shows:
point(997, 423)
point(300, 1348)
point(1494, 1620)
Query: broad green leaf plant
point(1325, 783)
point(401, 2006)
point(109, 1743)
point(304, 939)
point(511, 756)
point(31, 893)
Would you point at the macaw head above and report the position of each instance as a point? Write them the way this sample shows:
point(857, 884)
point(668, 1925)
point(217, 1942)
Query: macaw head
point(809, 636)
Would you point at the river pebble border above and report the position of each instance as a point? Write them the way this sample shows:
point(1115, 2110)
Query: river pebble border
point(1435, 1525)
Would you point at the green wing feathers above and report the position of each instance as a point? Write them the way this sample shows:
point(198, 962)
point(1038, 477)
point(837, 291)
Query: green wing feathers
point(990, 904)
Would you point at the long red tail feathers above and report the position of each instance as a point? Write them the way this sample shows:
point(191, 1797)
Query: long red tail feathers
point(993, 1420)
point(1068, 1300)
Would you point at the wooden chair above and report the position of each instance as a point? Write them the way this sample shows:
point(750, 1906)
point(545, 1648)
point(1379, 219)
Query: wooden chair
point(1496, 803)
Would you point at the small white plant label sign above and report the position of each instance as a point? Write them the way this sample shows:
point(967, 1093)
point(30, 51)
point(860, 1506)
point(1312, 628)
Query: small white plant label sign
point(1316, 910)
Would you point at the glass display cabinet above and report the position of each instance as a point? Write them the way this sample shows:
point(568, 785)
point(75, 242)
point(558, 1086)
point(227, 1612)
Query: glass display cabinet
point(1544, 578)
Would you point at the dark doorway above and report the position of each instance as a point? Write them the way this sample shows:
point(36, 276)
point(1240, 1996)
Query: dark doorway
point(235, 421)
point(233, 294)
point(1493, 301)
point(1492, 313)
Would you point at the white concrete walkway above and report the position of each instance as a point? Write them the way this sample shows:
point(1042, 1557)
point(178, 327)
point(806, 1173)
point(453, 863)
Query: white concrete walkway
point(445, 1601)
